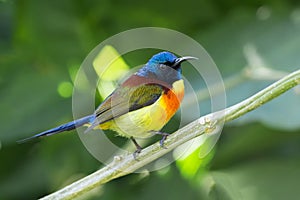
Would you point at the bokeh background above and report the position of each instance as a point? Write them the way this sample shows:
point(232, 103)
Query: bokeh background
point(43, 43)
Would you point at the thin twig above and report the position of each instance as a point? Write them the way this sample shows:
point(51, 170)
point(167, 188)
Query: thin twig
point(126, 164)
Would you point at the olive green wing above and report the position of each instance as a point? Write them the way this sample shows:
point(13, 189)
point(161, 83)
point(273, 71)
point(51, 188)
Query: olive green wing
point(127, 99)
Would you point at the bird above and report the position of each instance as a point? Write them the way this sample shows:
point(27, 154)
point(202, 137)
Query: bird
point(140, 106)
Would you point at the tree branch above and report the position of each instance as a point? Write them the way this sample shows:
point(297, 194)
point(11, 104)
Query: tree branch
point(126, 164)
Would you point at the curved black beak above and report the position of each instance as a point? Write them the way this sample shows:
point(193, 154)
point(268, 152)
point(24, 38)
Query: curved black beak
point(184, 58)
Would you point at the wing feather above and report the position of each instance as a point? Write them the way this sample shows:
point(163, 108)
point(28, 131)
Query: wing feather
point(127, 99)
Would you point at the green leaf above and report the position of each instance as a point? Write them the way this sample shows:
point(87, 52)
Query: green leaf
point(110, 68)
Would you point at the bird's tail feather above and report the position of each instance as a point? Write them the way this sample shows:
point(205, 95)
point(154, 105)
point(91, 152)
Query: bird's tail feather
point(64, 127)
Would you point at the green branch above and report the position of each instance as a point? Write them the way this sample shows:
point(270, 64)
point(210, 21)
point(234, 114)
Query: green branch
point(125, 164)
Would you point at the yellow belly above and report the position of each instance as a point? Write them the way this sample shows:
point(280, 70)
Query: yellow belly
point(138, 123)
point(141, 122)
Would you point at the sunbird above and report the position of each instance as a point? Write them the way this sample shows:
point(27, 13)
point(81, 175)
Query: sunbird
point(141, 105)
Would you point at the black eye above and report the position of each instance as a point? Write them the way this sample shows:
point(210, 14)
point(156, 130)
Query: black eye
point(168, 63)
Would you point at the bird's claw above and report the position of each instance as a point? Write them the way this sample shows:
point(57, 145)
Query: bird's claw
point(137, 152)
point(164, 137)
point(138, 148)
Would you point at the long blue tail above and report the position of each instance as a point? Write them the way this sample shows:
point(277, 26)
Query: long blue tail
point(64, 127)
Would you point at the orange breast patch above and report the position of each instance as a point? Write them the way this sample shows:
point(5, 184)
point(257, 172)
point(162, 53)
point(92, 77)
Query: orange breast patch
point(171, 102)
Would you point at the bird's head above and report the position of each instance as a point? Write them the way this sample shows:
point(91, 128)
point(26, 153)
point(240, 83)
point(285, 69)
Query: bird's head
point(164, 66)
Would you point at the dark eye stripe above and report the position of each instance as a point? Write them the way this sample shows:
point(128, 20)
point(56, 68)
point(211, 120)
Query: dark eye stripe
point(168, 63)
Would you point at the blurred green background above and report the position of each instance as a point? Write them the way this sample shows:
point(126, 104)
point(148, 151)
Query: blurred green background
point(42, 44)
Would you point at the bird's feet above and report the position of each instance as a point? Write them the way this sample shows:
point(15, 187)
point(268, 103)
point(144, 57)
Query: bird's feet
point(162, 141)
point(138, 148)
point(164, 137)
